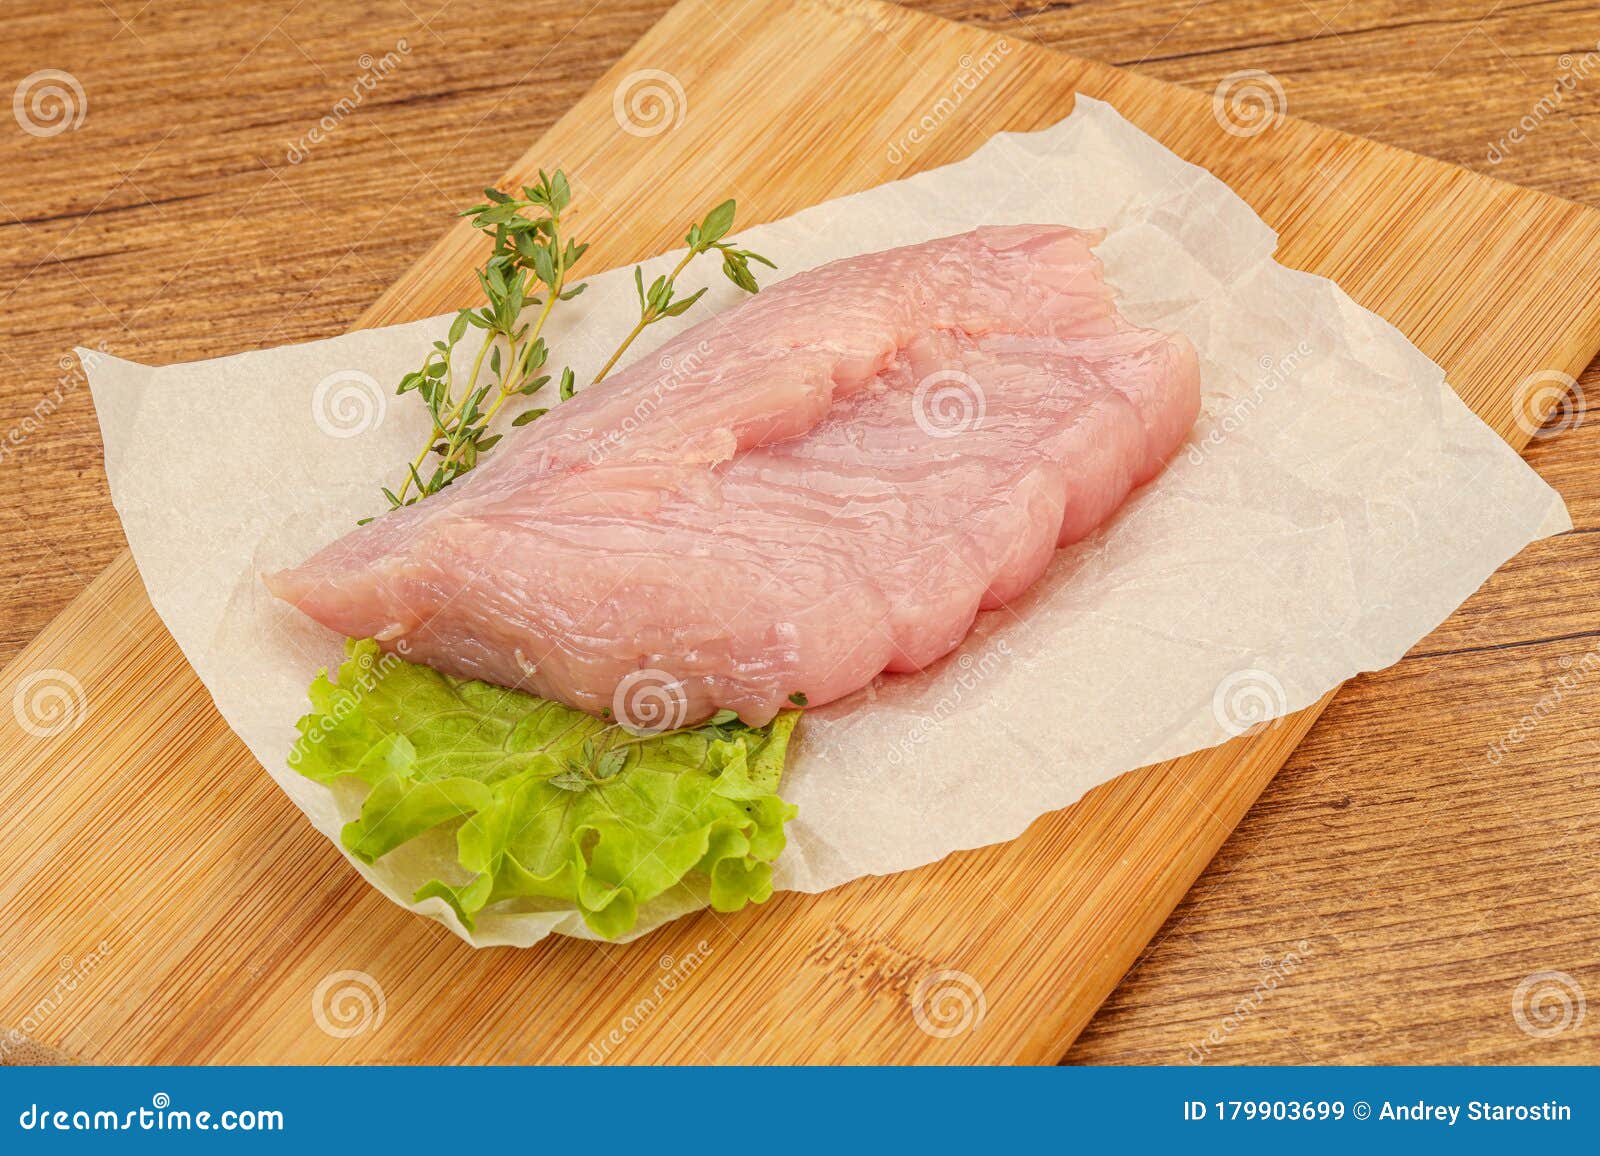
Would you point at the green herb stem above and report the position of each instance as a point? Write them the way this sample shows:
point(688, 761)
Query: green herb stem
point(646, 318)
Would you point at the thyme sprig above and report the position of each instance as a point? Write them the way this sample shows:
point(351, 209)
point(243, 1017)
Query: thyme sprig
point(658, 301)
point(530, 267)
point(530, 264)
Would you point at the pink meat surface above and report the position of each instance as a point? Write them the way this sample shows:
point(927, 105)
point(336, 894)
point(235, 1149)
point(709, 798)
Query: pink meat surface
point(825, 483)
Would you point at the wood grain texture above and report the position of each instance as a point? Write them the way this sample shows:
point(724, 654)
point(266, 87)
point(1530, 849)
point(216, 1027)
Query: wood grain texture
point(844, 960)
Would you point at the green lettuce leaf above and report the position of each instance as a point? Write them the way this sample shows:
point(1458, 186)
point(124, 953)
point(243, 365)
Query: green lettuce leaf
point(550, 803)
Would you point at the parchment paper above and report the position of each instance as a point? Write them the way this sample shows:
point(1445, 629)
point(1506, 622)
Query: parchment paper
point(1335, 502)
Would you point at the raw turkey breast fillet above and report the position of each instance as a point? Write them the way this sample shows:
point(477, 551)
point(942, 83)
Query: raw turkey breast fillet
point(827, 482)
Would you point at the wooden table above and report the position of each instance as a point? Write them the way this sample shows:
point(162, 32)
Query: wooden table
point(1420, 879)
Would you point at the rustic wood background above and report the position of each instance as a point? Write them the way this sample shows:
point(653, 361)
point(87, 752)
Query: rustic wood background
point(1426, 880)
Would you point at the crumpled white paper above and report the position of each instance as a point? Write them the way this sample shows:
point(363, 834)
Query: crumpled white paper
point(1334, 503)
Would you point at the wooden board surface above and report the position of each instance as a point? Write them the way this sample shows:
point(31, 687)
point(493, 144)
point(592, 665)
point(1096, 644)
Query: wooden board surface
point(814, 978)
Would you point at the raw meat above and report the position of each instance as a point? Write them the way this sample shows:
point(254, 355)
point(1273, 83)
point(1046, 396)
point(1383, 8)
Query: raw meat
point(824, 483)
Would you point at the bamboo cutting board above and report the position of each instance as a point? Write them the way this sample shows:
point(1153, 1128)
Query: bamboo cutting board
point(147, 859)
